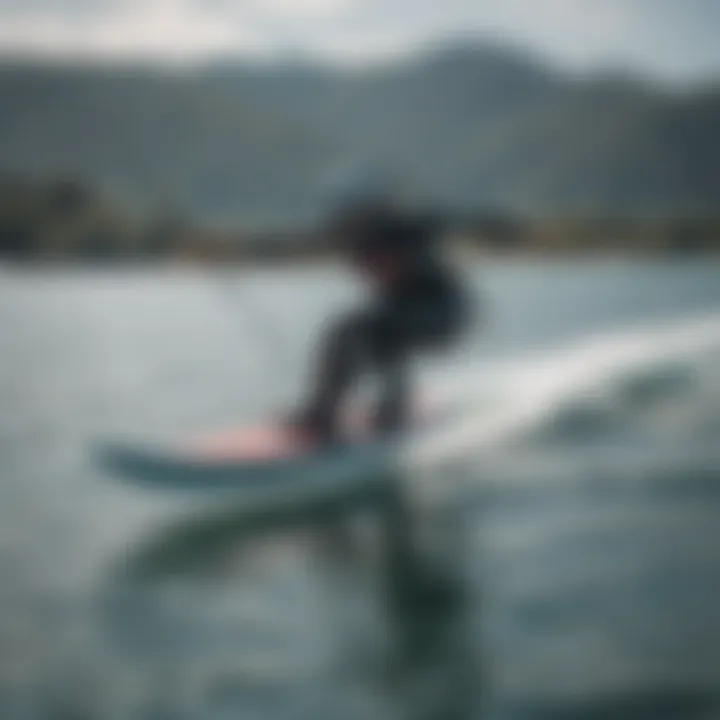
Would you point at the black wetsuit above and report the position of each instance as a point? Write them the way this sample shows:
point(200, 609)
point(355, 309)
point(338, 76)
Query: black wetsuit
point(425, 310)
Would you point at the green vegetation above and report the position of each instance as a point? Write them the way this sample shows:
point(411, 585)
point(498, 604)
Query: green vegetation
point(64, 220)
point(477, 127)
point(521, 158)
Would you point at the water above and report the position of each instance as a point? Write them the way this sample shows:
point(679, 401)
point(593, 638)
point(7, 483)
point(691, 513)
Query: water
point(588, 578)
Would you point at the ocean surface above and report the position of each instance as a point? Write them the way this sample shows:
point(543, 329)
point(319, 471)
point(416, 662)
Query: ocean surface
point(573, 562)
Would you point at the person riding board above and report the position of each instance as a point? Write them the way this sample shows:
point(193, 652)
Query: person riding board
point(418, 304)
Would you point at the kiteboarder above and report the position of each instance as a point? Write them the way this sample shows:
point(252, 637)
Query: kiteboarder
point(417, 305)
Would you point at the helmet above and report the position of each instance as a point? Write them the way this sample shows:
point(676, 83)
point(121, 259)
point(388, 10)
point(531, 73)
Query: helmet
point(360, 189)
point(370, 217)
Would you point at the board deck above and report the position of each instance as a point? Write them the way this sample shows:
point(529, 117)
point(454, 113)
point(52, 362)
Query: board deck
point(244, 460)
point(248, 458)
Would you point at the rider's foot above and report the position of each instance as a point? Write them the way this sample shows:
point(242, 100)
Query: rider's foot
point(312, 427)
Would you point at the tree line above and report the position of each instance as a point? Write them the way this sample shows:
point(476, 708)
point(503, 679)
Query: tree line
point(66, 220)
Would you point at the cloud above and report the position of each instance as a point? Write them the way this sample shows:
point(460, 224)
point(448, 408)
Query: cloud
point(134, 28)
point(664, 36)
point(44, 9)
point(304, 7)
point(175, 30)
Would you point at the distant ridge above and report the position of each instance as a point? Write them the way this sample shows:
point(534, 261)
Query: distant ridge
point(474, 126)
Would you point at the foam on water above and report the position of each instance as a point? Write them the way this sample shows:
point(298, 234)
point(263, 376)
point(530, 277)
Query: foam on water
point(577, 386)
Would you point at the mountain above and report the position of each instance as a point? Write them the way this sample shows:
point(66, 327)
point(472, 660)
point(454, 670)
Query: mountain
point(473, 127)
point(156, 139)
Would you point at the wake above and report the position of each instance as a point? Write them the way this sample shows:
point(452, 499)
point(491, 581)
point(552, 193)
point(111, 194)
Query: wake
point(502, 403)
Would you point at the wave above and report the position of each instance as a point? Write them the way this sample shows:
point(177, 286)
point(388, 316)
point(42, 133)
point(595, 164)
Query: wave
point(629, 386)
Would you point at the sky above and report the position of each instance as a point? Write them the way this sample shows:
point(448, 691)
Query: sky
point(669, 39)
